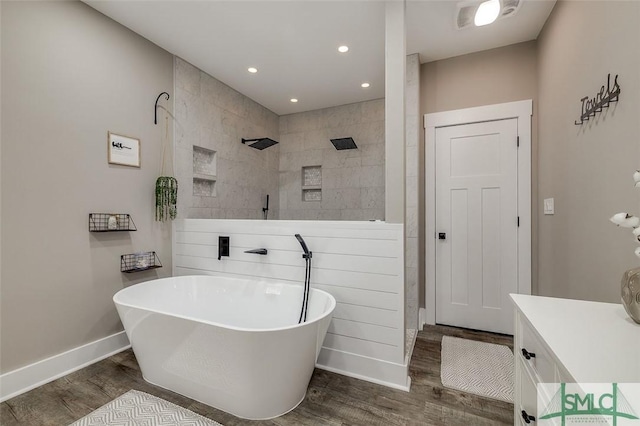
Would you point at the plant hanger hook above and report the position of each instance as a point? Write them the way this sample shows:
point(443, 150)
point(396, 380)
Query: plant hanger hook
point(155, 111)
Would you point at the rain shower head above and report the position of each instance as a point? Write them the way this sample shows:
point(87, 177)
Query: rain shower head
point(259, 143)
point(344, 143)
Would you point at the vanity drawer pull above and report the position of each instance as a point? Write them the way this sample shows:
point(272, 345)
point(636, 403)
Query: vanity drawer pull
point(526, 417)
point(527, 355)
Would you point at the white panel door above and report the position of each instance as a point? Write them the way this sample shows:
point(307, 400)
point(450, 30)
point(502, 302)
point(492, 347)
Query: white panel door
point(476, 224)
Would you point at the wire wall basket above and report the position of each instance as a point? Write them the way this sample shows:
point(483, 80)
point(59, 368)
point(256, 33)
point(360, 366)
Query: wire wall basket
point(111, 222)
point(136, 262)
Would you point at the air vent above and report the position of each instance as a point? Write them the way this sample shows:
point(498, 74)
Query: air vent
point(465, 16)
point(509, 7)
point(466, 12)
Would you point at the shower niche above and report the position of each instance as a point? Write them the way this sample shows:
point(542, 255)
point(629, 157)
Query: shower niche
point(204, 172)
point(312, 183)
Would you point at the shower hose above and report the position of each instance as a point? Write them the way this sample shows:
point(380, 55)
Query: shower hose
point(307, 281)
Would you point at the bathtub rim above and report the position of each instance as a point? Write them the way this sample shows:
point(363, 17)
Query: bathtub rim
point(328, 312)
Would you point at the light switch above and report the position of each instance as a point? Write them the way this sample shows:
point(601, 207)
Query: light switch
point(548, 206)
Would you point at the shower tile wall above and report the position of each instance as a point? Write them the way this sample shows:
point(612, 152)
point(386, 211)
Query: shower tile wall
point(214, 118)
point(352, 186)
point(412, 139)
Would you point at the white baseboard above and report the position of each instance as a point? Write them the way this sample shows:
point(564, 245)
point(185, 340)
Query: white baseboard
point(37, 374)
point(364, 368)
point(422, 318)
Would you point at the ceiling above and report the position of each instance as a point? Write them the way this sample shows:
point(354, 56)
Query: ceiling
point(293, 44)
point(431, 30)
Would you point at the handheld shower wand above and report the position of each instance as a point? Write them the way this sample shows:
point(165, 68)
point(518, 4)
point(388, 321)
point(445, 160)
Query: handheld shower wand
point(307, 254)
point(307, 278)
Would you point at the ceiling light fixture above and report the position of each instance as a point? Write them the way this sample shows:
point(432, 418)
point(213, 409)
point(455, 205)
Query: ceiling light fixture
point(487, 13)
point(365, 85)
point(252, 70)
point(294, 100)
point(343, 49)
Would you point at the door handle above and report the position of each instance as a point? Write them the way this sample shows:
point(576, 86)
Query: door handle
point(442, 235)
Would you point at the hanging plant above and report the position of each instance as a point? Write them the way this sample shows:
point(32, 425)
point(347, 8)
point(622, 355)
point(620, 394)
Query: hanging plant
point(166, 198)
point(166, 186)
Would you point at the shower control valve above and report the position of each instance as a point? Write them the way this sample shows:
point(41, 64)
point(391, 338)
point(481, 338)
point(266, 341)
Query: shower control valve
point(223, 247)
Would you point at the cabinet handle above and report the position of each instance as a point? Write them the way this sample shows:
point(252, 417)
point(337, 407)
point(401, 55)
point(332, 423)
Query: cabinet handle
point(527, 355)
point(527, 418)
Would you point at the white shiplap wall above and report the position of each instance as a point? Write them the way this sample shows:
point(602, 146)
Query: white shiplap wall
point(360, 263)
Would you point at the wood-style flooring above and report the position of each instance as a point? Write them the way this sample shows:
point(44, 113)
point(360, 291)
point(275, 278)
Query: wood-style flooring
point(332, 399)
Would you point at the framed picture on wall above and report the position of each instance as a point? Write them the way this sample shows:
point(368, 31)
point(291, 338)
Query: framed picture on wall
point(123, 150)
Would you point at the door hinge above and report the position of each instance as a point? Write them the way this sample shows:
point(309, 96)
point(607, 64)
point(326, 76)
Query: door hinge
point(518, 221)
point(518, 142)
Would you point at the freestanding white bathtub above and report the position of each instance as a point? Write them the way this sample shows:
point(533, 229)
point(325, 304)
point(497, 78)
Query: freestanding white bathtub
point(230, 343)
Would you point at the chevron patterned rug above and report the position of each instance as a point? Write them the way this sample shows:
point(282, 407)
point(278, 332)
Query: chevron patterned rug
point(139, 408)
point(484, 369)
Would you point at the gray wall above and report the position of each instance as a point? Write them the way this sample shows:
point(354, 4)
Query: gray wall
point(352, 180)
point(69, 75)
point(489, 77)
point(211, 115)
point(587, 169)
point(493, 76)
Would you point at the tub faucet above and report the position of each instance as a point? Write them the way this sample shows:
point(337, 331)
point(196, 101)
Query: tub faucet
point(262, 251)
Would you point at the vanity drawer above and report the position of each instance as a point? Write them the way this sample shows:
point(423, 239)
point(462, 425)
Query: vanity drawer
point(528, 396)
point(535, 356)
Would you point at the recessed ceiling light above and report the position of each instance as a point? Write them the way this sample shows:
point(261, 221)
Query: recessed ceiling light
point(343, 49)
point(294, 100)
point(487, 13)
point(365, 85)
point(252, 70)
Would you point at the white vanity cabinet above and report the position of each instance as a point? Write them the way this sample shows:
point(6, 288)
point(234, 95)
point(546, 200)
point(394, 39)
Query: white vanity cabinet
point(564, 340)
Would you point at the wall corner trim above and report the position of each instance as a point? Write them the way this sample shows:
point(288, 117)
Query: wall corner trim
point(24, 379)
